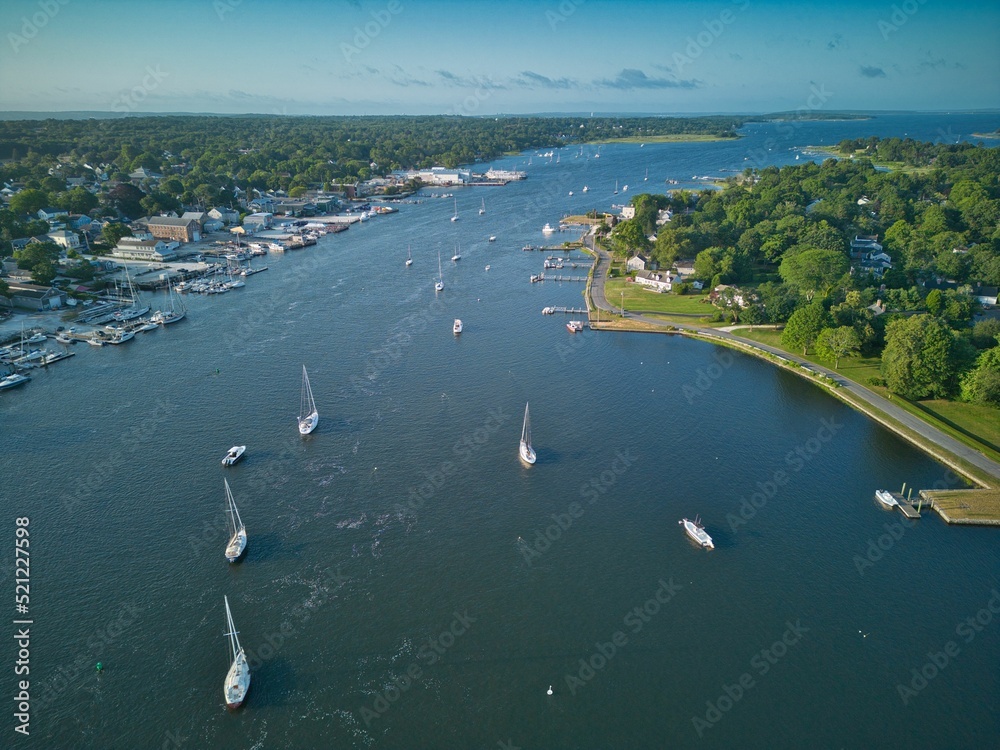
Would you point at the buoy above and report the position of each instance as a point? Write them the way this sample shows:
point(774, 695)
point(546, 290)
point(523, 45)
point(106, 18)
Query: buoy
point(549, 691)
point(99, 667)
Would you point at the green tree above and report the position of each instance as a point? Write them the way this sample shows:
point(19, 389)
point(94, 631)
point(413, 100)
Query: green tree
point(804, 326)
point(835, 343)
point(78, 201)
point(35, 253)
point(920, 358)
point(114, 231)
point(43, 273)
point(813, 271)
point(29, 201)
point(981, 385)
point(934, 301)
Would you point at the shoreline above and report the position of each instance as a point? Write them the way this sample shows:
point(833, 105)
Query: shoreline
point(671, 138)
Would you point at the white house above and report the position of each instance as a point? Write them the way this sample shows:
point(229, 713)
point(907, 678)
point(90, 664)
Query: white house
point(986, 295)
point(65, 239)
point(158, 251)
point(659, 281)
point(48, 214)
point(637, 263)
point(226, 215)
point(628, 212)
point(258, 221)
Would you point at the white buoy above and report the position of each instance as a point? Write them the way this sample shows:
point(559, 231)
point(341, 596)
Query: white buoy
point(549, 691)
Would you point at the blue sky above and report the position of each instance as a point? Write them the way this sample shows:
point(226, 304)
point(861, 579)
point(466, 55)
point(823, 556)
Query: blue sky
point(481, 58)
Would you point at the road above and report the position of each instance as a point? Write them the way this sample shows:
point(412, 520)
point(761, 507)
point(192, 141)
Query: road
point(923, 429)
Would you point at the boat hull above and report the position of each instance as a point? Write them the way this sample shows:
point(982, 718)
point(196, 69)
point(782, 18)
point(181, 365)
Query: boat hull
point(526, 453)
point(697, 534)
point(308, 424)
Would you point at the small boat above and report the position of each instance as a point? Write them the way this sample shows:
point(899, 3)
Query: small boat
point(575, 326)
point(571, 193)
point(548, 229)
point(455, 216)
point(38, 338)
point(482, 208)
point(527, 248)
point(548, 310)
point(149, 325)
point(525, 451)
point(439, 284)
point(487, 266)
point(646, 178)
point(625, 189)
point(237, 530)
point(493, 238)
point(458, 254)
point(409, 260)
point(62, 338)
point(696, 530)
point(885, 498)
point(616, 187)
point(585, 188)
point(456, 327)
point(238, 677)
point(13, 380)
point(95, 342)
point(121, 336)
point(308, 416)
point(235, 454)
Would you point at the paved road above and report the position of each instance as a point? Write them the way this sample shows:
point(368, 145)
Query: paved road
point(917, 425)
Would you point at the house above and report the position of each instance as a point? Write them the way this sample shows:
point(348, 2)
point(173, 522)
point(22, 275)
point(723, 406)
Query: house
point(212, 225)
point(34, 297)
point(65, 239)
point(628, 212)
point(156, 251)
point(262, 204)
point(78, 221)
point(144, 174)
point(72, 182)
point(22, 242)
point(722, 292)
point(660, 281)
point(985, 295)
point(257, 221)
point(685, 267)
point(663, 216)
point(199, 216)
point(48, 214)
point(875, 263)
point(637, 263)
point(226, 215)
point(862, 246)
point(174, 228)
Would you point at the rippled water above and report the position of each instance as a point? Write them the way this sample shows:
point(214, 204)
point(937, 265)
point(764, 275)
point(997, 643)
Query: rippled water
point(409, 584)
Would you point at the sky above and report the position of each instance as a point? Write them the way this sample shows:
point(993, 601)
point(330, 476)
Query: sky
point(470, 57)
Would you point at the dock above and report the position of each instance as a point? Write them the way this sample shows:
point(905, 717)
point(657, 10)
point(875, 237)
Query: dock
point(567, 310)
point(905, 506)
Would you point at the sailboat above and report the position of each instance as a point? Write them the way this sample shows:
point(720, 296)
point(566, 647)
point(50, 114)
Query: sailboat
point(172, 314)
point(458, 254)
point(482, 208)
point(455, 217)
point(237, 531)
point(525, 451)
point(616, 187)
point(646, 178)
point(439, 284)
point(308, 416)
point(409, 260)
point(137, 308)
point(238, 677)
point(585, 188)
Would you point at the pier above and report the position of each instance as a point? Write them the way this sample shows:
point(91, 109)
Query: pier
point(905, 506)
point(568, 310)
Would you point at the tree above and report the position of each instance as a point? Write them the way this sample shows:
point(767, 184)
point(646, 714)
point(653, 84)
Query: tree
point(78, 200)
point(920, 357)
point(29, 201)
point(834, 343)
point(125, 199)
point(934, 301)
point(43, 273)
point(804, 326)
point(4, 289)
point(981, 385)
point(36, 252)
point(114, 231)
point(814, 271)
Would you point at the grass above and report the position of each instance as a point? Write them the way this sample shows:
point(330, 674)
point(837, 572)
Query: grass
point(670, 138)
point(967, 506)
point(638, 298)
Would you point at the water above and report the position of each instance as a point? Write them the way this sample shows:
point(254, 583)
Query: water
point(387, 543)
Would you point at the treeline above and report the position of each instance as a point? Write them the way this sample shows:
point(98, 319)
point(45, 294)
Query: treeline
point(280, 152)
point(783, 237)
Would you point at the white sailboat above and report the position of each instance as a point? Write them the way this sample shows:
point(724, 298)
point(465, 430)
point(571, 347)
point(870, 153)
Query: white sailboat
point(238, 677)
point(439, 284)
point(237, 531)
point(646, 178)
point(176, 311)
point(616, 187)
point(455, 215)
point(137, 308)
point(409, 260)
point(525, 451)
point(458, 254)
point(482, 208)
point(308, 416)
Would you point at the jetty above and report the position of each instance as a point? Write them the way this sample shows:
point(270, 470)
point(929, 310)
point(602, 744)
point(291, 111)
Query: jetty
point(569, 310)
point(905, 506)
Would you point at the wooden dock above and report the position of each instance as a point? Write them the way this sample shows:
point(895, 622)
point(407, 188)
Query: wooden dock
point(567, 310)
point(905, 506)
point(566, 278)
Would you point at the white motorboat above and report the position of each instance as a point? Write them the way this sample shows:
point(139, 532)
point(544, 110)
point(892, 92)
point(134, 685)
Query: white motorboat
point(548, 229)
point(308, 416)
point(487, 266)
point(585, 188)
point(13, 380)
point(237, 530)
point(525, 451)
point(696, 530)
point(616, 187)
point(238, 678)
point(493, 238)
point(38, 338)
point(885, 498)
point(456, 327)
point(575, 326)
point(121, 336)
point(235, 454)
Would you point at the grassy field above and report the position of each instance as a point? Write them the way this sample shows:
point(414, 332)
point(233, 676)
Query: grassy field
point(639, 298)
point(672, 138)
point(975, 426)
point(967, 506)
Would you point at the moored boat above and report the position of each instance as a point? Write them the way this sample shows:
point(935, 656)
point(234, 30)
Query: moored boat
point(696, 530)
point(575, 326)
point(238, 678)
point(235, 454)
point(13, 380)
point(456, 327)
point(525, 451)
point(237, 530)
point(885, 498)
point(308, 416)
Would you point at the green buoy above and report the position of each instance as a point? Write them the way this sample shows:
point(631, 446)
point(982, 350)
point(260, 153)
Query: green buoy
point(100, 667)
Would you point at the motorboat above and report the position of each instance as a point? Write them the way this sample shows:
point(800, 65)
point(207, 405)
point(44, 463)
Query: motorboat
point(696, 530)
point(235, 454)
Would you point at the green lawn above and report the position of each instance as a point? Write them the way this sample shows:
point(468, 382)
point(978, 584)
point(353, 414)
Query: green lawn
point(639, 298)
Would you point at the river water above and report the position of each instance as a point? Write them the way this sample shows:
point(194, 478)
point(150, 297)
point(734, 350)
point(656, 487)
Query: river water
point(408, 584)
